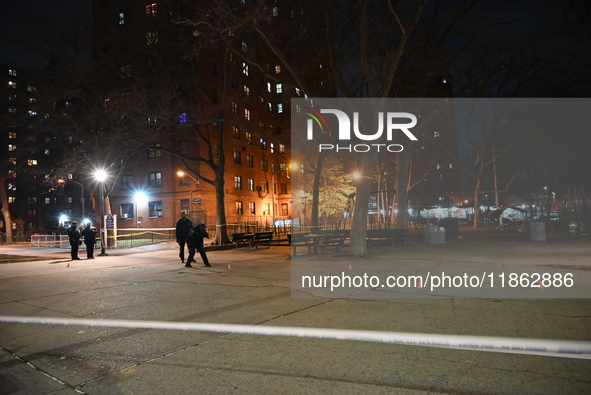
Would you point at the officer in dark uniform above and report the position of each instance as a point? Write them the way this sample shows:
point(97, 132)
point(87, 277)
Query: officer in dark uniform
point(89, 234)
point(74, 238)
point(183, 226)
point(195, 242)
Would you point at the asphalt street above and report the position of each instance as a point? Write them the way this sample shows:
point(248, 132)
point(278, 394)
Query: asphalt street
point(254, 286)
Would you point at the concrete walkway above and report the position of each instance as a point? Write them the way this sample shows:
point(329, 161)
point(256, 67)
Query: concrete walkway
point(248, 286)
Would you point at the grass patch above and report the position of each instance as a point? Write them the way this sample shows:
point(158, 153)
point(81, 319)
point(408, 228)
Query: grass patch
point(4, 258)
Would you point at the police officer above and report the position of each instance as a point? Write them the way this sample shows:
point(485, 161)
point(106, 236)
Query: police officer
point(74, 238)
point(195, 242)
point(183, 226)
point(89, 234)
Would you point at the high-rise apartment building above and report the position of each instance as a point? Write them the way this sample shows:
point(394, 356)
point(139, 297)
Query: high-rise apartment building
point(215, 124)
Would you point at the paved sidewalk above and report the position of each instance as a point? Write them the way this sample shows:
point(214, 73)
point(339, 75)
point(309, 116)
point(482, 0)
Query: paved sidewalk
point(249, 286)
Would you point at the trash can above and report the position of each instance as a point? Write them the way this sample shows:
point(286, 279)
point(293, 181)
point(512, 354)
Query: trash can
point(452, 227)
point(441, 235)
point(538, 231)
point(431, 235)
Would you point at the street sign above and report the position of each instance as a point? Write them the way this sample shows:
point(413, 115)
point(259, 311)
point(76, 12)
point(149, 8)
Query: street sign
point(110, 222)
point(573, 225)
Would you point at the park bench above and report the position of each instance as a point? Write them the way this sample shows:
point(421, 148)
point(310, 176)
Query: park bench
point(262, 237)
point(300, 240)
point(388, 236)
point(238, 238)
point(332, 240)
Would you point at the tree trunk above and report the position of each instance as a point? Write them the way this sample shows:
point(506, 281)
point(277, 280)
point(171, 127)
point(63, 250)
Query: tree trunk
point(477, 214)
point(316, 190)
point(221, 231)
point(402, 174)
point(358, 241)
point(6, 211)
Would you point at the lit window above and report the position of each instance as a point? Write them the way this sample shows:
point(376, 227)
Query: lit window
point(11, 135)
point(247, 114)
point(251, 184)
point(11, 199)
point(32, 113)
point(12, 84)
point(239, 208)
point(47, 200)
point(12, 72)
point(281, 148)
point(248, 136)
point(234, 107)
point(152, 38)
point(246, 91)
point(284, 209)
point(183, 117)
point(277, 69)
point(237, 182)
point(451, 165)
point(251, 208)
point(265, 187)
point(122, 18)
point(435, 134)
point(263, 143)
point(11, 147)
point(275, 11)
point(266, 209)
point(269, 87)
point(244, 46)
point(236, 132)
point(282, 167)
point(154, 151)
point(244, 68)
point(237, 156)
point(278, 88)
point(32, 162)
point(297, 91)
point(272, 147)
point(279, 108)
point(151, 9)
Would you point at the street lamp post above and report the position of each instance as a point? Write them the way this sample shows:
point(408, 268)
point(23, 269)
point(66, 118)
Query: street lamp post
point(139, 197)
point(101, 176)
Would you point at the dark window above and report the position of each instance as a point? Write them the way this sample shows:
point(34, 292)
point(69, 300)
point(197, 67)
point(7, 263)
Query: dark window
point(155, 179)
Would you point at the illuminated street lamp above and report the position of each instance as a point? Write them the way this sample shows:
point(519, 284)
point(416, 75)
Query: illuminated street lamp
point(138, 197)
point(101, 176)
point(181, 173)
